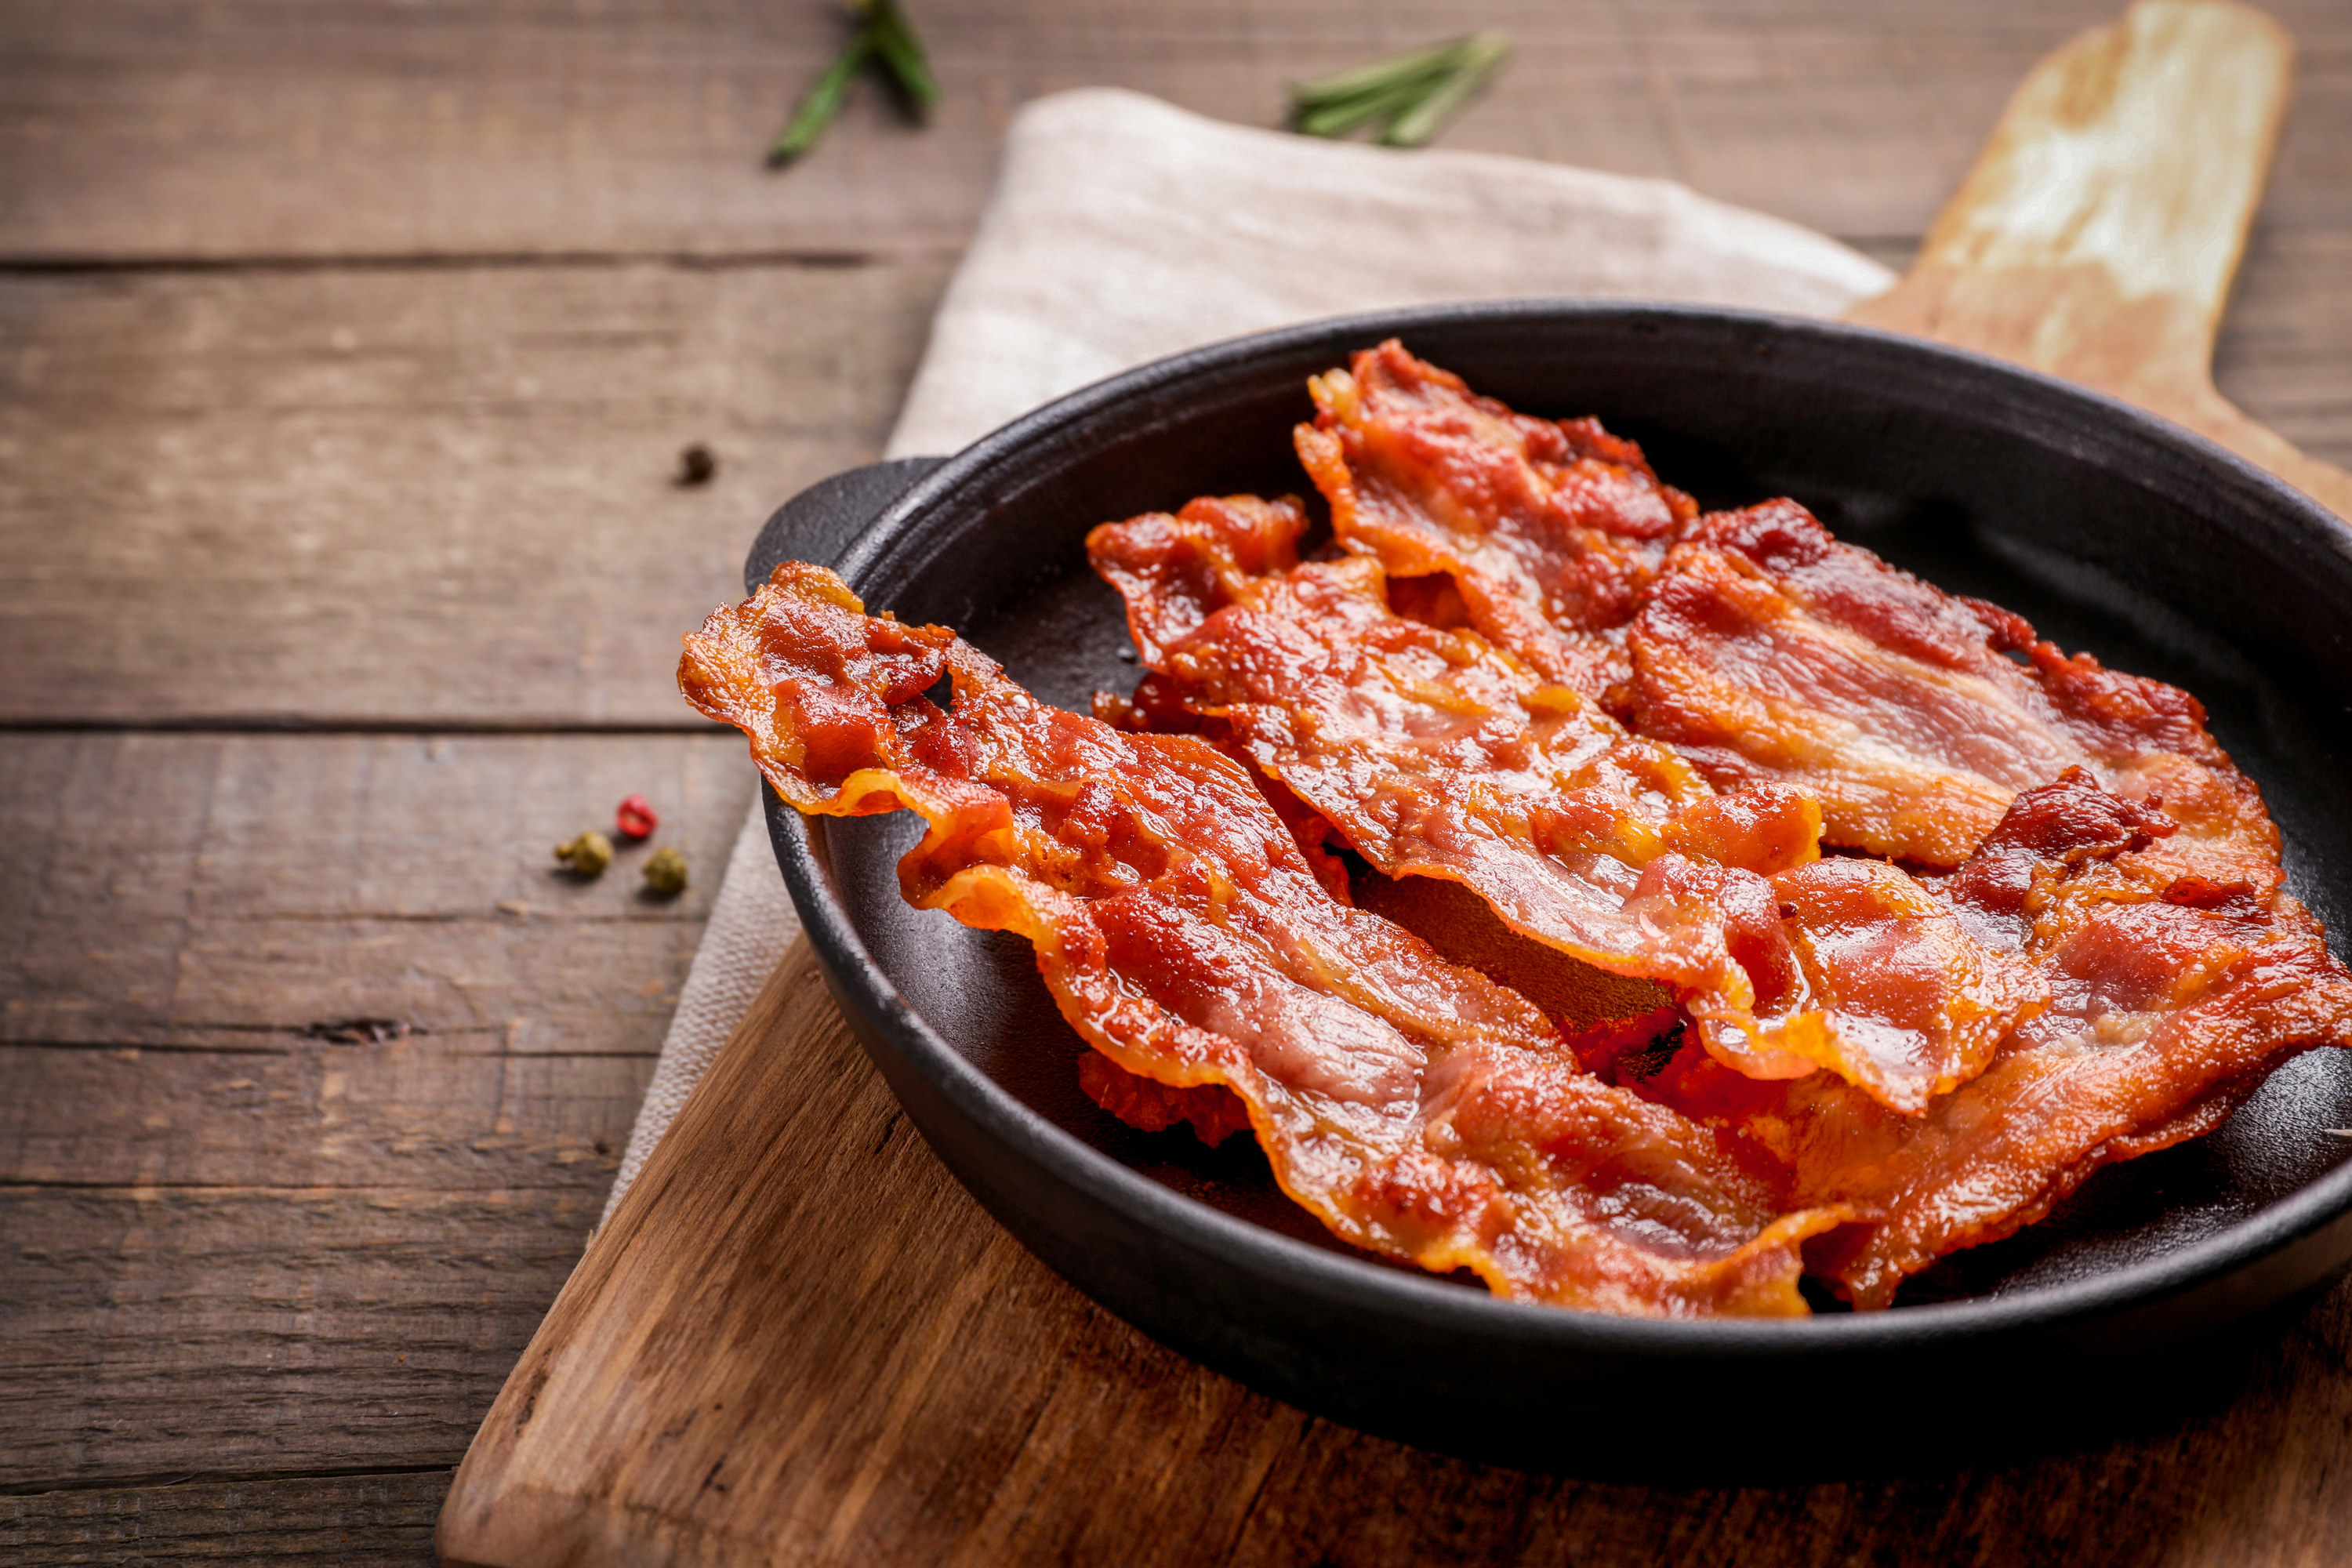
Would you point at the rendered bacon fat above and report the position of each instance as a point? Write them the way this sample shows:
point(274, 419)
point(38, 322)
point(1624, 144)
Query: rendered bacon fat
point(1418, 1110)
point(1435, 754)
point(1550, 530)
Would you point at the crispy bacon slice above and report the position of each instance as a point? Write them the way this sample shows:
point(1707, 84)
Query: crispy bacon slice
point(2182, 974)
point(1550, 530)
point(1431, 751)
point(1417, 1109)
point(1435, 754)
point(1214, 1111)
point(1843, 963)
point(1768, 652)
point(1762, 650)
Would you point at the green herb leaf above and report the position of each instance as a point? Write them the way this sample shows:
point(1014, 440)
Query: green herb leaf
point(1409, 97)
point(1339, 115)
point(884, 38)
point(1482, 57)
point(821, 102)
point(901, 53)
point(1381, 76)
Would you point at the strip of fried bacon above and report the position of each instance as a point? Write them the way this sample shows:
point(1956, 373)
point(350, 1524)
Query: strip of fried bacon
point(1214, 1112)
point(2182, 974)
point(1418, 1110)
point(1549, 529)
point(1435, 754)
point(1768, 652)
point(1751, 641)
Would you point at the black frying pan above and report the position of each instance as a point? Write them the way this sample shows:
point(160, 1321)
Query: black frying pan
point(2111, 530)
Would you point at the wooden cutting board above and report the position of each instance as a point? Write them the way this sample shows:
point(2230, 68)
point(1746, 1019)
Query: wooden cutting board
point(2097, 234)
point(799, 1340)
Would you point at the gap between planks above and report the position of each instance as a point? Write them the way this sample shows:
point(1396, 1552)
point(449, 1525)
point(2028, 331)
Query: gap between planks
point(33, 265)
point(167, 1479)
point(1894, 249)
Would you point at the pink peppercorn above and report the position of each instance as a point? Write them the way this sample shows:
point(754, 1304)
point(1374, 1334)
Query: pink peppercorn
point(636, 818)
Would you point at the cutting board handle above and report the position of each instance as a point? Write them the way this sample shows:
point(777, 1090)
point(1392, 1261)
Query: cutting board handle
point(2097, 234)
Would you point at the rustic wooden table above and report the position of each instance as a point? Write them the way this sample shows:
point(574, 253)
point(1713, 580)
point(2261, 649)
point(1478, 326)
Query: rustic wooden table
point(346, 353)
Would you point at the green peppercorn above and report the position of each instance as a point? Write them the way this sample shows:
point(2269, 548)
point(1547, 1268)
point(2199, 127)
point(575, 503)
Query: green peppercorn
point(587, 855)
point(666, 873)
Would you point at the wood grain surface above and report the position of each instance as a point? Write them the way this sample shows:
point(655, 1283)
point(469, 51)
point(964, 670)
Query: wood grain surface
point(2098, 232)
point(147, 129)
point(233, 1246)
point(382, 1519)
point(327, 496)
point(324, 322)
point(748, 1368)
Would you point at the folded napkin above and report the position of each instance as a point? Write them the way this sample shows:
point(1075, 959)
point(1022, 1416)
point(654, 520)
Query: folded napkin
point(1123, 229)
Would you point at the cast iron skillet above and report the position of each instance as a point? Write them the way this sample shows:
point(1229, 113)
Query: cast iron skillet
point(2112, 530)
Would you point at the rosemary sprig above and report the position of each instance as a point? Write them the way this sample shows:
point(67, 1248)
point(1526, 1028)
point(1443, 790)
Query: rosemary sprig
point(1336, 104)
point(1409, 97)
point(821, 102)
point(1481, 59)
point(901, 53)
point(884, 38)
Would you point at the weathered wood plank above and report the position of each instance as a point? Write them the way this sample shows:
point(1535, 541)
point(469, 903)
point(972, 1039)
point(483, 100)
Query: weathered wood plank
point(2286, 350)
point(410, 496)
point(142, 128)
point(152, 1331)
point(205, 1210)
point(208, 507)
point(430, 1112)
point(2064, 256)
point(231, 1247)
point(517, 984)
point(227, 891)
point(356, 1520)
point(746, 1369)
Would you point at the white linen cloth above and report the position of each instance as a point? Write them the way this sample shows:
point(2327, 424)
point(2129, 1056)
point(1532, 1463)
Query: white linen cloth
point(1123, 229)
